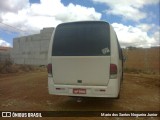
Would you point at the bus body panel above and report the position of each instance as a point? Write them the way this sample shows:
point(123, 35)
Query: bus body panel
point(81, 70)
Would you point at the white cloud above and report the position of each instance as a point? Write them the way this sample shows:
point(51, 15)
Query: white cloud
point(77, 12)
point(13, 5)
point(128, 9)
point(145, 27)
point(135, 36)
point(156, 36)
point(47, 13)
point(4, 43)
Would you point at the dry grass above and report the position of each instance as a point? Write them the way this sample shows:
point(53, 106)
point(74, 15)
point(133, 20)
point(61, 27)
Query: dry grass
point(7, 66)
point(145, 60)
point(139, 71)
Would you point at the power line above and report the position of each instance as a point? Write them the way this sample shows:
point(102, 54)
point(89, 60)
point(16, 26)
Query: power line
point(13, 27)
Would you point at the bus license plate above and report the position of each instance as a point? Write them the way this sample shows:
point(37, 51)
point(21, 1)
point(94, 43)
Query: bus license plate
point(79, 91)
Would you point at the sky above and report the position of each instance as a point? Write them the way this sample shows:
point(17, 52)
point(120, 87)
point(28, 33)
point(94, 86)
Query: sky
point(136, 22)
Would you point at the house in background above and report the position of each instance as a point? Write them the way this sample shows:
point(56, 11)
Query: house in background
point(5, 53)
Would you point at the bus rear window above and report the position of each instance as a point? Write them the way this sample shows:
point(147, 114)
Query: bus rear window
point(82, 39)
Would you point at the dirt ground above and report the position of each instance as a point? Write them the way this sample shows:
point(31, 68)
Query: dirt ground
point(29, 92)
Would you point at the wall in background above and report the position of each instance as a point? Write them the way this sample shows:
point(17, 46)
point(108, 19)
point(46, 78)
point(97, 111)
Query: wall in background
point(32, 49)
point(144, 59)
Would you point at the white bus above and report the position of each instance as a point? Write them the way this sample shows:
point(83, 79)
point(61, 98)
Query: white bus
point(85, 60)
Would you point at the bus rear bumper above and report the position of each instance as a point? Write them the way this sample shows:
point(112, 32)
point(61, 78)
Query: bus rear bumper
point(110, 91)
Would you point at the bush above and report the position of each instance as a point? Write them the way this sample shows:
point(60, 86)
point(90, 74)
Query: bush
point(6, 66)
